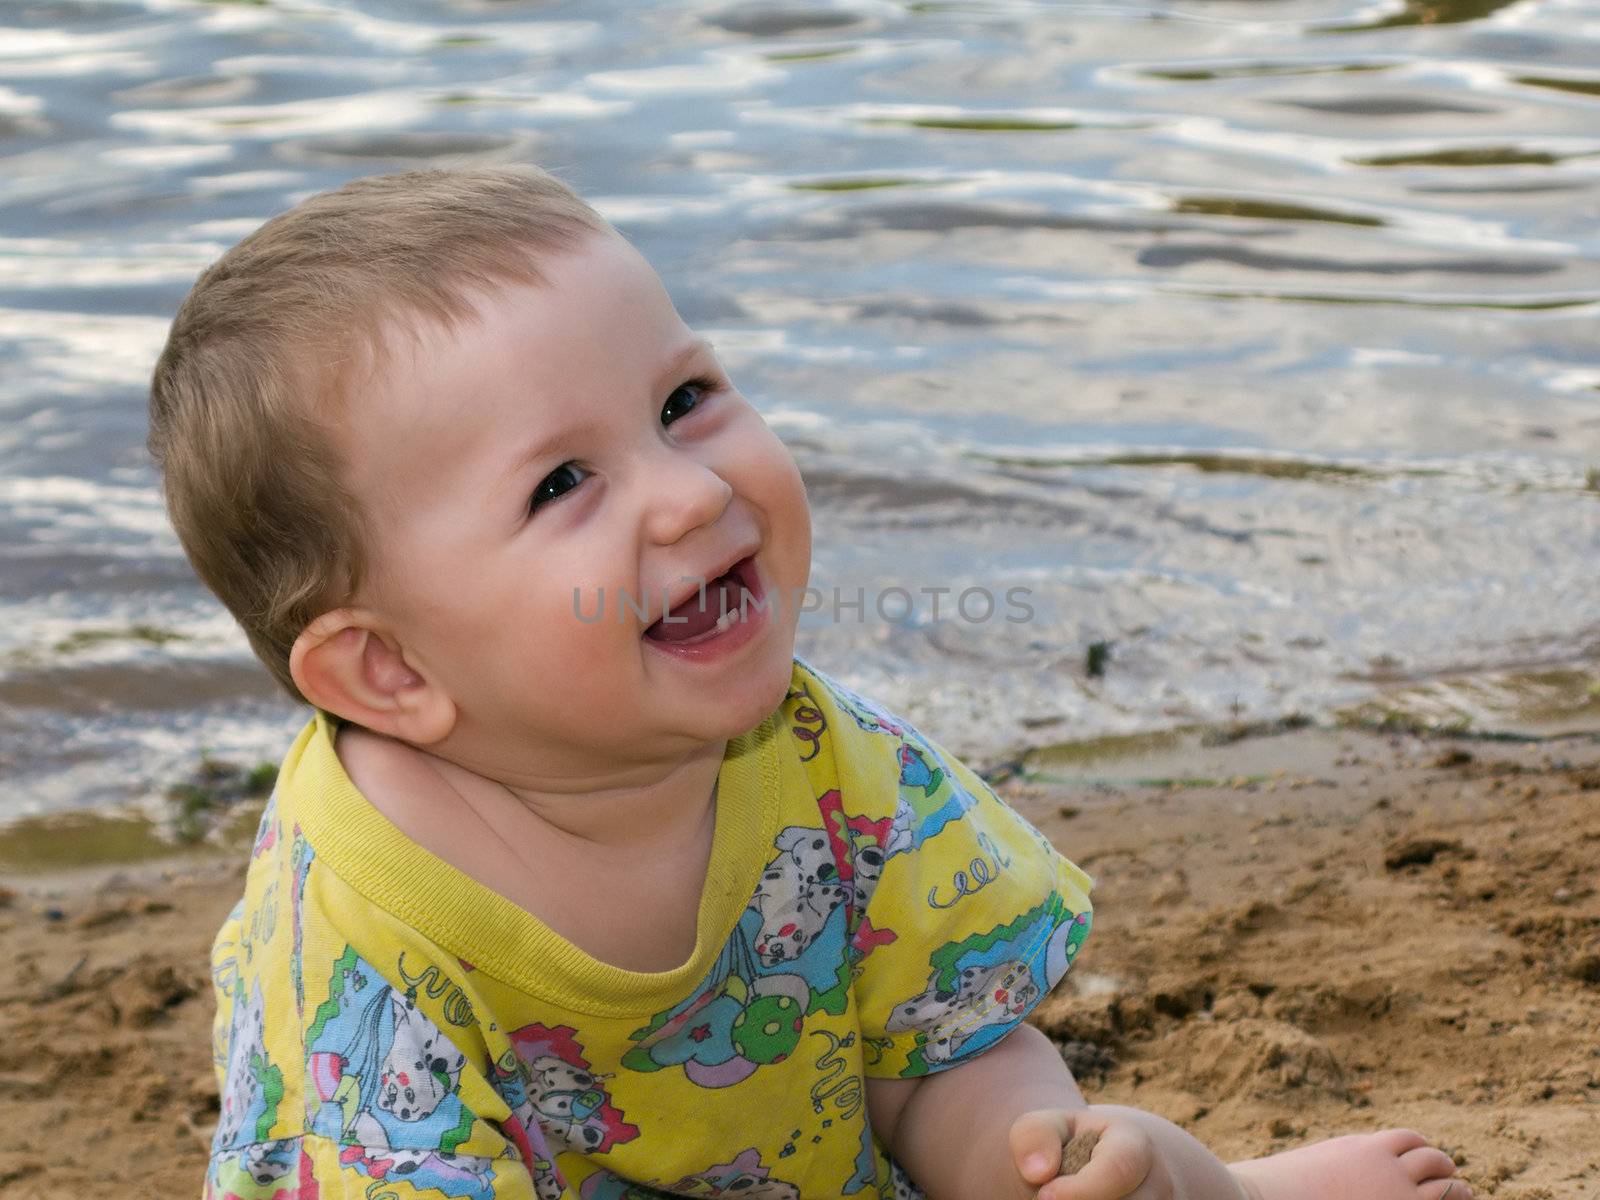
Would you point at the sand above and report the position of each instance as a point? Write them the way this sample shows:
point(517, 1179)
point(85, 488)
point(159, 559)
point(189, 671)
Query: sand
point(1388, 931)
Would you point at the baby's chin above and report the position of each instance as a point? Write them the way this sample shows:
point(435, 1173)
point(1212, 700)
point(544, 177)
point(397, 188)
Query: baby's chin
point(756, 699)
point(755, 704)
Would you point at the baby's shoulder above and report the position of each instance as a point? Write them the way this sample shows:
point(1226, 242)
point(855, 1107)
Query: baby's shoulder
point(880, 768)
point(866, 740)
point(818, 699)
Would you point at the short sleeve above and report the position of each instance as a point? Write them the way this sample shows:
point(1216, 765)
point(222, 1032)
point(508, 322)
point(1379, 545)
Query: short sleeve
point(968, 915)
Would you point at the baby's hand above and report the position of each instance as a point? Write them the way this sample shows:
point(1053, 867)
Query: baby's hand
point(1120, 1165)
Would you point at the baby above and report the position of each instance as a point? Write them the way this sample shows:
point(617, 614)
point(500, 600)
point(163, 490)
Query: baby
point(579, 883)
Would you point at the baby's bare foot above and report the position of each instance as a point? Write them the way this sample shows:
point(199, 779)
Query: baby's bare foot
point(1397, 1164)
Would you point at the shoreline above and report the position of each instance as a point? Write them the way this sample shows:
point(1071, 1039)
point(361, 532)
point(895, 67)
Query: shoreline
point(1298, 934)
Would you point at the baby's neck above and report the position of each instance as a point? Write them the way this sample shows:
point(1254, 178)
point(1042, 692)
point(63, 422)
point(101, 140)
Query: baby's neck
point(544, 852)
point(630, 810)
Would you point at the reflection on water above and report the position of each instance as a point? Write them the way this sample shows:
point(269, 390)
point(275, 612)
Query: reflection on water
point(1255, 340)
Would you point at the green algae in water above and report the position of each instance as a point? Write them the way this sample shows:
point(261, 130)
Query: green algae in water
point(1535, 305)
point(81, 639)
point(855, 185)
point(1096, 658)
point(68, 841)
point(215, 787)
point(1513, 705)
point(1258, 70)
point(1221, 464)
point(1582, 87)
point(248, 122)
point(462, 99)
point(1426, 12)
point(1095, 751)
point(1474, 156)
point(1224, 206)
point(1218, 464)
point(982, 124)
point(810, 55)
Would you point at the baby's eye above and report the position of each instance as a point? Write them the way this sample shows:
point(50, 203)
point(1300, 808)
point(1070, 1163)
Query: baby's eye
point(685, 398)
point(553, 486)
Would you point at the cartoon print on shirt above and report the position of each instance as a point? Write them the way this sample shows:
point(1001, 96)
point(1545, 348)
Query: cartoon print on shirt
point(982, 986)
point(797, 894)
point(510, 1078)
point(381, 1073)
point(300, 856)
point(737, 1020)
point(547, 1181)
point(806, 720)
point(460, 1176)
point(261, 1171)
point(421, 1068)
point(864, 1174)
point(904, 1189)
point(787, 958)
point(866, 713)
point(861, 847)
point(994, 995)
point(267, 830)
point(930, 795)
point(744, 1177)
point(268, 1162)
point(252, 1085)
point(564, 1105)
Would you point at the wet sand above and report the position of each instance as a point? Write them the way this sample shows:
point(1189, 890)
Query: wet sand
point(1379, 930)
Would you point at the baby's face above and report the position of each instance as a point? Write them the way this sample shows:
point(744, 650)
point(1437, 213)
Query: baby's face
point(575, 447)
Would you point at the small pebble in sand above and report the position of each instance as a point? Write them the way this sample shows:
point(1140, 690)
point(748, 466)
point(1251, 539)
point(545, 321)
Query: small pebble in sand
point(1418, 851)
point(1078, 1151)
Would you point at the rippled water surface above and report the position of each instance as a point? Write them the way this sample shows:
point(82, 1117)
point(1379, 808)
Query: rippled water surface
point(1257, 339)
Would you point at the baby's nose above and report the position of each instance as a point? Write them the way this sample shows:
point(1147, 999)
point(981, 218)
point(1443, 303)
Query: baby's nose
point(683, 495)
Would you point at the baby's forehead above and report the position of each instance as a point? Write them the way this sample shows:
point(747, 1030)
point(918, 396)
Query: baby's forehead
point(520, 358)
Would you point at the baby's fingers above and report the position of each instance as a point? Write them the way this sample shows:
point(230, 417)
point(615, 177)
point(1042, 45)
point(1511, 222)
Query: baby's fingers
point(1121, 1160)
point(1036, 1142)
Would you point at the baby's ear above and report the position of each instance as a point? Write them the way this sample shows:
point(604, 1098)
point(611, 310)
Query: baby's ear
point(343, 664)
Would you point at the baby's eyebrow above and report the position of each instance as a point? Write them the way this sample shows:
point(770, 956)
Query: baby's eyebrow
point(544, 448)
point(690, 352)
point(547, 447)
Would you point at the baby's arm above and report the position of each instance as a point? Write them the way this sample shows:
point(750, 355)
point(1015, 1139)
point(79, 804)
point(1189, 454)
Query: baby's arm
point(995, 1127)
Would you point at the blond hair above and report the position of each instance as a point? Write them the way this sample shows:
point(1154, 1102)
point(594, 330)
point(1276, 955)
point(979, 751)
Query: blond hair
point(248, 391)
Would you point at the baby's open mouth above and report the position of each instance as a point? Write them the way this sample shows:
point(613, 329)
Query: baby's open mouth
point(725, 601)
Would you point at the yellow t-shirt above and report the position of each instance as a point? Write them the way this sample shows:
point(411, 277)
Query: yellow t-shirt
point(389, 1027)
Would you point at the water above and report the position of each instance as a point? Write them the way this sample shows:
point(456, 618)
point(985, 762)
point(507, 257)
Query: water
point(1256, 339)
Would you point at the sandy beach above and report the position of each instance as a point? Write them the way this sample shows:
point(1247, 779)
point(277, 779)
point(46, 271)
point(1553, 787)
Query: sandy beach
point(1378, 930)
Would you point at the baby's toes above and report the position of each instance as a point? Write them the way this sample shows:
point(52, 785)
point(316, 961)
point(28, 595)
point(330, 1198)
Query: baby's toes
point(1444, 1189)
point(1399, 1141)
point(1429, 1162)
